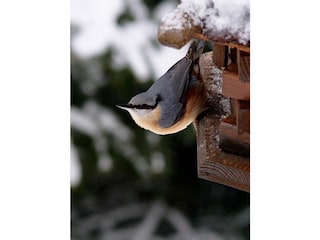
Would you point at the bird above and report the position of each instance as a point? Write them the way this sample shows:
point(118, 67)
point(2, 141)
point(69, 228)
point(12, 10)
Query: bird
point(175, 100)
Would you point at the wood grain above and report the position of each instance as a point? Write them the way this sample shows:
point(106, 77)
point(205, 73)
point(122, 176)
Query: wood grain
point(227, 169)
point(244, 67)
point(234, 88)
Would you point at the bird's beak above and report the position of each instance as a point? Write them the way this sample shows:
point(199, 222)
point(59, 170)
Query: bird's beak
point(125, 106)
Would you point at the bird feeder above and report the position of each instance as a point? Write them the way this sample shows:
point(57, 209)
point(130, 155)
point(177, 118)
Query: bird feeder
point(223, 132)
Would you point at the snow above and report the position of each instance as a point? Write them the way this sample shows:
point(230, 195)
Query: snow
point(195, 9)
point(157, 162)
point(104, 163)
point(75, 168)
point(225, 18)
point(233, 17)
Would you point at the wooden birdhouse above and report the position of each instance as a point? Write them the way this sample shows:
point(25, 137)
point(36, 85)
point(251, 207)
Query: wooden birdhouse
point(223, 132)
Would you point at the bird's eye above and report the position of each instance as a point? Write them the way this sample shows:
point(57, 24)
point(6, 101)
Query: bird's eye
point(159, 98)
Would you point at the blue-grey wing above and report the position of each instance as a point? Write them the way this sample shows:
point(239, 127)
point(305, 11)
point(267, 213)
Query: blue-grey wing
point(172, 88)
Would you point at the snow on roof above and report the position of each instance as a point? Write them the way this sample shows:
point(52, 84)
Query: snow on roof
point(222, 20)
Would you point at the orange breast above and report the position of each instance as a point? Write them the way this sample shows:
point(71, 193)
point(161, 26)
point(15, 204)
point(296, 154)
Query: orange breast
point(195, 104)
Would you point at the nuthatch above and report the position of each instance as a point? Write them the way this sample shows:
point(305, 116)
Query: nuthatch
point(175, 99)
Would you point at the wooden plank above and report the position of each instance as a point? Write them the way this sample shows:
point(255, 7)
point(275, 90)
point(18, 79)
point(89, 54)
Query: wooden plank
point(230, 130)
point(227, 169)
point(207, 138)
point(244, 121)
point(233, 87)
point(233, 142)
point(218, 55)
point(244, 66)
point(235, 45)
point(243, 116)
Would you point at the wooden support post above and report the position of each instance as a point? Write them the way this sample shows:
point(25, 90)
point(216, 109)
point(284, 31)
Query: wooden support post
point(244, 65)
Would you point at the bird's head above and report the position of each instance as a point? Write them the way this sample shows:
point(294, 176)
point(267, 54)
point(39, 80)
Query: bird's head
point(144, 110)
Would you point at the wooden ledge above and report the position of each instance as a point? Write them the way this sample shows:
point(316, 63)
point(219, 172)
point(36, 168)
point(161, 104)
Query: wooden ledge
point(227, 169)
point(217, 165)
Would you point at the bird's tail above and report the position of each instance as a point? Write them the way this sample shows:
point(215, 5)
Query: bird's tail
point(195, 49)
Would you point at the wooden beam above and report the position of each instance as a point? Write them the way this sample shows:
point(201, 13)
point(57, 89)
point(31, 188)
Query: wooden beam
point(233, 142)
point(244, 66)
point(233, 87)
point(227, 169)
point(234, 45)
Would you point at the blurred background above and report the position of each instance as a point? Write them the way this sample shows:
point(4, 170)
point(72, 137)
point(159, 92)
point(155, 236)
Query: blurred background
point(128, 183)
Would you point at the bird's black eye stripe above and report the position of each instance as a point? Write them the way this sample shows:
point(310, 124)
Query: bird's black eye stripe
point(144, 106)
